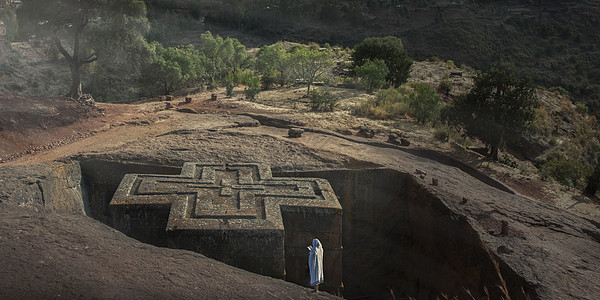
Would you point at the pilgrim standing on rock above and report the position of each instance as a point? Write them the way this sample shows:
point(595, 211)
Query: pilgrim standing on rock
point(315, 263)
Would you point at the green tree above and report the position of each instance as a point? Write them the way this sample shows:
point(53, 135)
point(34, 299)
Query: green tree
point(388, 49)
point(372, 74)
point(253, 83)
point(424, 102)
point(270, 64)
point(309, 65)
point(222, 56)
point(73, 21)
point(172, 68)
point(499, 107)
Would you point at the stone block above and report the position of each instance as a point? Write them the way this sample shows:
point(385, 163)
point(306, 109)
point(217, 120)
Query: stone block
point(237, 213)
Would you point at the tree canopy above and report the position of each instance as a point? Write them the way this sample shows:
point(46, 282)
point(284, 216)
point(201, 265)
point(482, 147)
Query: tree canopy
point(498, 108)
point(389, 49)
point(172, 68)
point(372, 74)
point(309, 65)
point(116, 25)
point(221, 56)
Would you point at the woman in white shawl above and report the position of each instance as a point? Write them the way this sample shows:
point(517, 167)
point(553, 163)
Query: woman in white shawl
point(315, 264)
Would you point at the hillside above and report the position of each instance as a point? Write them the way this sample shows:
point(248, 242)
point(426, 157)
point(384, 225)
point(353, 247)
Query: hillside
point(554, 42)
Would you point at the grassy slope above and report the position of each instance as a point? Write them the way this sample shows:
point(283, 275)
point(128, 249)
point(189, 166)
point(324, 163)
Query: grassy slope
point(554, 42)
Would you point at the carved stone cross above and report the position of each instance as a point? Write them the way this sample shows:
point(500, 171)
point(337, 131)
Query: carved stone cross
point(237, 213)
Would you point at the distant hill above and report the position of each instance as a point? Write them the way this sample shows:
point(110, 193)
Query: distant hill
point(557, 43)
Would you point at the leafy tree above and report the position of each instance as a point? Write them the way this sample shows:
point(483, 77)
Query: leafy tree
point(222, 56)
point(498, 108)
point(270, 63)
point(309, 65)
point(75, 20)
point(391, 51)
point(372, 73)
point(253, 88)
point(172, 68)
point(424, 102)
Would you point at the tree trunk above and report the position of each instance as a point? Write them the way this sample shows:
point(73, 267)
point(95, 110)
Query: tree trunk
point(493, 153)
point(308, 91)
point(75, 91)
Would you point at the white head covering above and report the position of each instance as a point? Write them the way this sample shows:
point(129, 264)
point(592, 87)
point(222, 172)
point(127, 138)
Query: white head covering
point(315, 263)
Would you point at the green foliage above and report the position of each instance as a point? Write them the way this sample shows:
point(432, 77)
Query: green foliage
point(389, 103)
point(172, 68)
point(372, 73)
point(309, 65)
point(445, 86)
point(568, 172)
point(323, 100)
point(221, 56)
point(253, 83)
point(498, 108)
point(388, 49)
point(424, 103)
point(270, 63)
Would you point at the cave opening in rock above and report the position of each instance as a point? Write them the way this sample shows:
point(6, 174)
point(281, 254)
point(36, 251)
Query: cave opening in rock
point(399, 239)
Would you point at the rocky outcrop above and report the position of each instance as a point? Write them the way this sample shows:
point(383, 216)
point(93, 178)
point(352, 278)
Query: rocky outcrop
point(51, 187)
point(47, 256)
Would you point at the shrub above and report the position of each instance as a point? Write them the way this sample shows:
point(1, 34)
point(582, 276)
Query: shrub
point(565, 171)
point(445, 86)
point(322, 100)
point(372, 74)
point(389, 49)
point(442, 133)
point(253, 88)
point(388, 104)
point(424, 103)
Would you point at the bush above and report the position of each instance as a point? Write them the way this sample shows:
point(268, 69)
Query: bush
point(372, 74)
point(424, 103)
point(445, 86)
point(322, 100)
point(565, 171)
point(388, 49)
point(442, 133)
point(253, 88)
point(388, 104)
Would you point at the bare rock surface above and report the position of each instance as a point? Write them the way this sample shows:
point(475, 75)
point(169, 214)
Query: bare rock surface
point(552, 252)
point(51, 187)
point(69, 256)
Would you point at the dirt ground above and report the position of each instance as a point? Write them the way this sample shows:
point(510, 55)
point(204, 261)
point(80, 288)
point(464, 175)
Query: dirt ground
point(39, 129)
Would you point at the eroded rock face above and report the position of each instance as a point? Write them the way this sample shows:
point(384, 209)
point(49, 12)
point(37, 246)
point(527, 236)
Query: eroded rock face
point(51, 187)
point(46, 255)
point(399, 230)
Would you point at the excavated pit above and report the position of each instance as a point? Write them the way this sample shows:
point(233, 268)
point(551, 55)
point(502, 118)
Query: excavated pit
point(399, 239)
